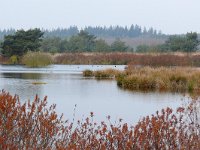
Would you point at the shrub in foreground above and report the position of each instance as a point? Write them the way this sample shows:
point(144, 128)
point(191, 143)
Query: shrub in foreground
point(34, 125)
point(31, 125)
point(37, 59)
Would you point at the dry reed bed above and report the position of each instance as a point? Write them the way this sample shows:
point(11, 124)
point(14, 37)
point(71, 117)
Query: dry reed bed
point(3, 60)
point(156, 59)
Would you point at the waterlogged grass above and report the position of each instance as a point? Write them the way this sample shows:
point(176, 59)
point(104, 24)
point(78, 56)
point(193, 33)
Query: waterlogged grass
point(176, 79)
point(88, 73)
point(101, 74)
point(38, 83)
point(37, 59)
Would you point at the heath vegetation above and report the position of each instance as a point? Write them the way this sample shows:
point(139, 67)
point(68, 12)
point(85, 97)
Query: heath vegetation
point(34, 125)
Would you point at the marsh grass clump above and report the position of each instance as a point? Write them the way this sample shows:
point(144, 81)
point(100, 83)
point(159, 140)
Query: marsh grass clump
point(174, 79)
point(37, 59)
point(88, 73)
point(120, 78)
point(169, 79)
point(38, 83)
point(101, 74)
point(106, 74)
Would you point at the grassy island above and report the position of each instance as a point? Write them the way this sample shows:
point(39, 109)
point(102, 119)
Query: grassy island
point(147, 78)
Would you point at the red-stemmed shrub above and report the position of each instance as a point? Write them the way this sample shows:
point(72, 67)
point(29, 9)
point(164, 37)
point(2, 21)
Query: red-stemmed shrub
point(34, 125)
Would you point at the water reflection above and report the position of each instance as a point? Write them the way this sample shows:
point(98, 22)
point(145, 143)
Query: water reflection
point(22, 75)
point(21, 84)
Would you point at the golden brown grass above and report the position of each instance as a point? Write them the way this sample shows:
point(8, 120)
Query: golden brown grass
point(38, 83)
point(176, 79)
point(102, 74)
point(163, 78)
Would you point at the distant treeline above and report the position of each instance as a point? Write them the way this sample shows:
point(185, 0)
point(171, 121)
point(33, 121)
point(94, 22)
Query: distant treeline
point(6, 32)
point(189, 42)
point(22, 41)
point(112, 31)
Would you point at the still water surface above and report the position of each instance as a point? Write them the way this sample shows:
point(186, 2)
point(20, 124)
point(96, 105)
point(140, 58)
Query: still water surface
point(66, 87)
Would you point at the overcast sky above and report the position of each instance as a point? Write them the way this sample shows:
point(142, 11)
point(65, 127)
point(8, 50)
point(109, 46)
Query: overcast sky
point(169, 16)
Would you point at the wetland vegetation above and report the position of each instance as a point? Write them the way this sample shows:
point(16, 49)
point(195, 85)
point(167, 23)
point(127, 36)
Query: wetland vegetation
point(35, 125)
point(175, 79)
point(170, 66)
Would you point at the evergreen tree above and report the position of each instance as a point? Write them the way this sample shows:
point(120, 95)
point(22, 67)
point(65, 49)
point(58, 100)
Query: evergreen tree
point(21, 42)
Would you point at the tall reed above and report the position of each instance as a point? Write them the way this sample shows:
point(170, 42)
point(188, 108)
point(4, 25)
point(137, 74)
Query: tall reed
point(154, 60)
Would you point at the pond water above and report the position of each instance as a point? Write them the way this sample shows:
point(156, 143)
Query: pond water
point(66, 87)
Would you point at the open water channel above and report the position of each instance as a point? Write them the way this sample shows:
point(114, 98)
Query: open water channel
point(66, 87)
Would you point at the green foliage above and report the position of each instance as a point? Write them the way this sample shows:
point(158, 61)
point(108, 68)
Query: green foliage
point(0, 46)
point(187, 43)
point(14, 59)
point(143, 49)
point(51, 45)
point(82, 42)
point(21, 42)
point(37, 59)
point(119, 46)
point(101, 46)
point(99, 31)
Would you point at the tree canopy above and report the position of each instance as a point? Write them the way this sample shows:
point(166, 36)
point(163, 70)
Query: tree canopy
point(119, 45)
point(82, 42)
point(186, 43)
point(183, 43)
point(21, 42)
